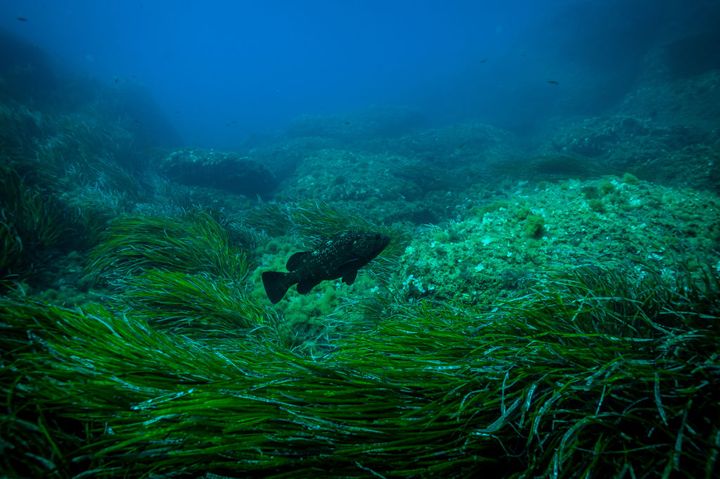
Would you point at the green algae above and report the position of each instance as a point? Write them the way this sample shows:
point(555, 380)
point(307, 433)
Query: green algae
point(197, 304)
point(192, 244)
point(572, 377)
point(32, 224)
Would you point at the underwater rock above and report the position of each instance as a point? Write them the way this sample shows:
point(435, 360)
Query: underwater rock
point(25, 71)
point(693, 54)
point(501, 248)
point(549, 167)
point(644, 147)
point(223, 171)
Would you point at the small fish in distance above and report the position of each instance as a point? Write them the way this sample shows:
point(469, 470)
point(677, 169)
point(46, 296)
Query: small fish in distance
point(338, 257)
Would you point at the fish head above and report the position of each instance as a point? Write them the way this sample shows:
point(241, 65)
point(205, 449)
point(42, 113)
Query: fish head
point(374, 243)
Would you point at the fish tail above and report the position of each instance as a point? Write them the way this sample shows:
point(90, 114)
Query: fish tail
point(276, 284)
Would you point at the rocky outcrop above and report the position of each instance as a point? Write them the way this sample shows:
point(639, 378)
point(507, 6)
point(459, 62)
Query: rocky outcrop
point(223, 171)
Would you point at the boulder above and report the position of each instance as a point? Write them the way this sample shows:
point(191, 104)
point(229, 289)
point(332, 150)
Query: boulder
point(224, 171)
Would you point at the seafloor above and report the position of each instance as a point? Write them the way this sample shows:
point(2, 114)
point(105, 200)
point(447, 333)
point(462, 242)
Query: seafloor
point(548, 306)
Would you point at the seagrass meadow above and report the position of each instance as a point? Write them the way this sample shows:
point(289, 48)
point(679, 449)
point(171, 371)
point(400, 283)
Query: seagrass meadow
point(553, 328)
point(177, 370)
point(548, 305)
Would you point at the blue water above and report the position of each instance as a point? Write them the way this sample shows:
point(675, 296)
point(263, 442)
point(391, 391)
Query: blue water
point(221, 71)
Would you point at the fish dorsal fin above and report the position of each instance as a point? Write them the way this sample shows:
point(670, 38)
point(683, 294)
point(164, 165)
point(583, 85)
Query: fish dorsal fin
point(296, 260)
point(349, 277)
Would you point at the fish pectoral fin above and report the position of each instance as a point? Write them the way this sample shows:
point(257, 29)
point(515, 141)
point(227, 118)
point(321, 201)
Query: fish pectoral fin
point(350, 265)
point(305, 285)
point(296, 260)
point(349, 277)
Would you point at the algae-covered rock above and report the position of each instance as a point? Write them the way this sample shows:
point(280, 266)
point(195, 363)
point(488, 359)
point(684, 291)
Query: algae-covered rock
point(224, 171)
point(673, 154)
point(544, 232)
point(382, 187)
point(340, 175)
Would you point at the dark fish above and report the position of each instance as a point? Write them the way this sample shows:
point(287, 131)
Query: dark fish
point(338, 257)
point(553, 82)
point(22, 19)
